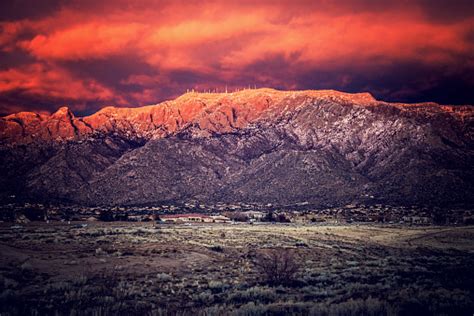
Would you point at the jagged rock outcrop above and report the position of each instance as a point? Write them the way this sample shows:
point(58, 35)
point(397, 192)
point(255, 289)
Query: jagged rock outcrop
point(321, 147)
point(220, 112)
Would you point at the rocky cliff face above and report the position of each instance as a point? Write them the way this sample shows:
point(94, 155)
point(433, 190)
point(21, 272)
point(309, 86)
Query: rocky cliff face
point(321, 147)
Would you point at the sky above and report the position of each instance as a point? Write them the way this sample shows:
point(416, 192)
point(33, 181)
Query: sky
point(93, 53)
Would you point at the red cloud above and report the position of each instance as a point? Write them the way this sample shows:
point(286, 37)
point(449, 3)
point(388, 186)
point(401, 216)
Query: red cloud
point(90, 40)
point(214, 36)
point(221, 41)
point(52, 82)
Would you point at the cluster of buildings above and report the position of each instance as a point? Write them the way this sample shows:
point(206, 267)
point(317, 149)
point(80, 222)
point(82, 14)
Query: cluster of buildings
point(224, 213)
point(194, 218)
point(411, 215)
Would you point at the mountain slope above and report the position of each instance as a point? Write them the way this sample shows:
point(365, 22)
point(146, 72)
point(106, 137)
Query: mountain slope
point(321, 147)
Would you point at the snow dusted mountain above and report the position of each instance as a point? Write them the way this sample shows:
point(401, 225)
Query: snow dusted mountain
point(264, 145)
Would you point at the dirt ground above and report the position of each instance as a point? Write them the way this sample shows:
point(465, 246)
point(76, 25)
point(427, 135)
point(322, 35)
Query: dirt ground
point(102, 268)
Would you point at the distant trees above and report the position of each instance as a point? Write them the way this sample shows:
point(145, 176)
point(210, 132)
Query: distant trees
point(271, 216)
point(237, 216)
point(106, 216)
point(35, 214)
point(121, 217)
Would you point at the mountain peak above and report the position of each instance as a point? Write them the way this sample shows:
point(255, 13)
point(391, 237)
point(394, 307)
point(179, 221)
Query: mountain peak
point(63, 111)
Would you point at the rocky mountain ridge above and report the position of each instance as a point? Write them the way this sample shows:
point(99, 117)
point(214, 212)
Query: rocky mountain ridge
point(213, 112)
point(322, 147)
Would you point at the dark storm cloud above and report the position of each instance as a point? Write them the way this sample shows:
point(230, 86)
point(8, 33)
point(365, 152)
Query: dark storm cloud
point(14, 59)
point(402, 82)
point(11, 10)
point(444, 11)
point(37, 103)
point(111, 71)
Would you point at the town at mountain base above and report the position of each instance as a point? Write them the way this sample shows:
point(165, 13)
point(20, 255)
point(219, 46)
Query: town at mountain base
point(256, 146)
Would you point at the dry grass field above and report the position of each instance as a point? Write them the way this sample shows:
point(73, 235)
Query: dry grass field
point(147, 268)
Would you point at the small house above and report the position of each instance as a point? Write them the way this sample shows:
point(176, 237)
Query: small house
point(220, 219)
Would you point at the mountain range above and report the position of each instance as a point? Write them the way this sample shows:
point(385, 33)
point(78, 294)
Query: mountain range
point(256, 146)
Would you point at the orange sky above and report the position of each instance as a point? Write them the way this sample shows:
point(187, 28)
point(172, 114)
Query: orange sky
point(128, 53)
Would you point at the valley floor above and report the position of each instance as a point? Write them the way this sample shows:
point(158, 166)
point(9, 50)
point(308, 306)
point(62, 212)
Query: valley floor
point(210, 269)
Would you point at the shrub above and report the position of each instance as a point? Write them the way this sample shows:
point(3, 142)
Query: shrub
point(217, 286)
point(278, 266)
point(250, 309)
point(163, 277)
point(216, 248)
point(204, 298)
point(369, 307)
point(254, 294)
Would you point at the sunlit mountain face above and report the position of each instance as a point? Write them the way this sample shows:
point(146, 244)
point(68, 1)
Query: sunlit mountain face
point(316, 147)
point(89, 54)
